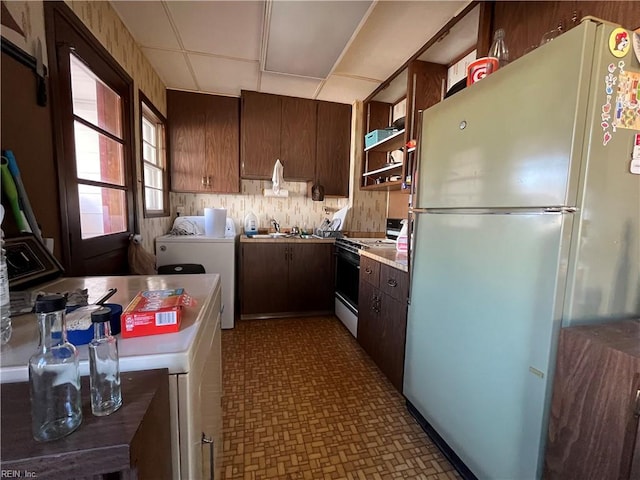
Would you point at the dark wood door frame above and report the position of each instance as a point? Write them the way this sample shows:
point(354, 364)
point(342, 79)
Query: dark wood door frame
point(61, 20)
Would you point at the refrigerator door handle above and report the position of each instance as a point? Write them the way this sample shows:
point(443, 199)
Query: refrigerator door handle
point(560, 210)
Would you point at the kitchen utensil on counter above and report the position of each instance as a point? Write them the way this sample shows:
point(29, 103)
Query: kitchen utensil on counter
point(79, 327)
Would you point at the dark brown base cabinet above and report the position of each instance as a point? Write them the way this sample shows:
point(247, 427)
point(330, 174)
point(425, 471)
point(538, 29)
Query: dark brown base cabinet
point(382, 316)
point(283, 278)
point(593, 427)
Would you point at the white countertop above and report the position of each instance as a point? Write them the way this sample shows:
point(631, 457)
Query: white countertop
point(170, 350)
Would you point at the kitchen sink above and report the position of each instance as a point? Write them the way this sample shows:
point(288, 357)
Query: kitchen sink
point(269, 235)
point(281, 235)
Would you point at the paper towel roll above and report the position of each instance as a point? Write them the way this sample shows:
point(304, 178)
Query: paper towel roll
point(215, 222)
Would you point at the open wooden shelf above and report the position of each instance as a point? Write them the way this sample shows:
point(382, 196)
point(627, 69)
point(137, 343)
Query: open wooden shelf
point(386, 168)
point(392, 142)
point(395, 185)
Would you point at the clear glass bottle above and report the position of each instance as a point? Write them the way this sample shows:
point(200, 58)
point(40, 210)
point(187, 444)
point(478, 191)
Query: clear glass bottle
point(104, 373)
point(5, 300)
point(54, 377)
point(499, 49)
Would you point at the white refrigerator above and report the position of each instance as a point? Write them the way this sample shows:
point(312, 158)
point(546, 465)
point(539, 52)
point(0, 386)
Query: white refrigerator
point(526, 220)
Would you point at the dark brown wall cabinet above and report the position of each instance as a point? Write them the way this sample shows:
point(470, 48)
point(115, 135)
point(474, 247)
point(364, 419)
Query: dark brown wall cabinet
point(333, 146)
point(382, 316)
point(311, 138)
point(278, 127)
point(593, 430)
point(283, 278)
point(204, 142)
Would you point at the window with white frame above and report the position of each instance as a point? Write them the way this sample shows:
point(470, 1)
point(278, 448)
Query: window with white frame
point(155, 174)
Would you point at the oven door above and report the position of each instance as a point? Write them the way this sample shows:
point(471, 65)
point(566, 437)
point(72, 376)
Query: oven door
point(347, 278)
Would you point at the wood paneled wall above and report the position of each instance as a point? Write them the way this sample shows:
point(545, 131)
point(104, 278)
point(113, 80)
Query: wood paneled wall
point(26, 130)
point(524, 23)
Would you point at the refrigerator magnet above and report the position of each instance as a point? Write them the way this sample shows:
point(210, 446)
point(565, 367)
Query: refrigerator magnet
point(619, 42)
point(635, 155)
point(636, 44)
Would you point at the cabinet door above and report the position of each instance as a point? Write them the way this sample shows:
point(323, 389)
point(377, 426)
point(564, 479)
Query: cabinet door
point(390, 342)
point(394, 282)
point(368, 317)
point(370, 271)
point(311, 277)
point(187, 122)
point(222, 158)
point(298, 138)
point(204, 133)
point(261, 120)
point(333, 145)
point(211, 407)
point(264, 278)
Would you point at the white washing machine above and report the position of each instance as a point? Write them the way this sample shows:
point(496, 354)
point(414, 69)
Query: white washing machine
point(217, 255)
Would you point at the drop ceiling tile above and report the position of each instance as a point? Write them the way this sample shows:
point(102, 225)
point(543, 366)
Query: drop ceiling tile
point(323, 29)
point(224, 76)
point(172, 68)
point(394, 31)
point(288, 85)
point(346, 89)
point(148, 23)
point(231, 29)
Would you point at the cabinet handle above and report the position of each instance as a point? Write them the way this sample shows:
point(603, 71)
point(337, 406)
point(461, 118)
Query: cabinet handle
point(204, 181)
point(286, 254)
point(368, 271)
point(392, 282)
point(209, 441)
point(208, 181)
point(636, 410)
point(163, 248)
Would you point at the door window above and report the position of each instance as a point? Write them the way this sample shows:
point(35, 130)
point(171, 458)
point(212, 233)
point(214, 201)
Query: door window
point(97, 129)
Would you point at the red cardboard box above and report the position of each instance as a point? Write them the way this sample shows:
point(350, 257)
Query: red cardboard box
point(153, 312)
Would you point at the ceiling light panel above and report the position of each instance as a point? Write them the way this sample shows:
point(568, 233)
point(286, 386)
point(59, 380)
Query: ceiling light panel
point(306, 38)
point(229, 29)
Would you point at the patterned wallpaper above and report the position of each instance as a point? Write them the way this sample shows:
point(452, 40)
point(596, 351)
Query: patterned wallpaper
point(366, 215)
point(368, 209)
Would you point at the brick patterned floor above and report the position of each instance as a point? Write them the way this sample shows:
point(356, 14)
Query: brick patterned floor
point(301, 400)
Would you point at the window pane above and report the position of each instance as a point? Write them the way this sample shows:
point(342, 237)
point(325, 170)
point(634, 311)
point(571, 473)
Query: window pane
point(98, 157)
point(148, 131)
point(152, 177)
point(93, 100)
point(153, 199)
point(149, 153)
point(102, 211)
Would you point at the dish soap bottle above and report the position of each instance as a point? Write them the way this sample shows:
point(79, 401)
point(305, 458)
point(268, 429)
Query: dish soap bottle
point(250, 224)
point(402, 244)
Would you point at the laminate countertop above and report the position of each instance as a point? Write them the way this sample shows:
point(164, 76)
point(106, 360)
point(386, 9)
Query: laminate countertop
point(173, 351)
point(389, 256)
point(284, 239)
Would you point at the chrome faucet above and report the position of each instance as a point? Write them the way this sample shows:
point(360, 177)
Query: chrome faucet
point(276, 225)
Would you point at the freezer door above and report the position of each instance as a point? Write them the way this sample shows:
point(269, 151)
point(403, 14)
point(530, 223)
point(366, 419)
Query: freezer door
point(514, 139)
point(482, 329)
